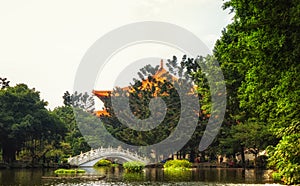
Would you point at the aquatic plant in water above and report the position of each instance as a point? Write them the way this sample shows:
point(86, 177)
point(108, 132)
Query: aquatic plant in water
point(133, 166)
point(69, 171)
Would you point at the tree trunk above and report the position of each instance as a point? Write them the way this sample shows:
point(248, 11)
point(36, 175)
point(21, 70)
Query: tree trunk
point(192, 156)
point(202, 158)
point(243, 156)
point(255, 158)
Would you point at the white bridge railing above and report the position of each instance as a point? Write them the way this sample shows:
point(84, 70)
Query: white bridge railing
point(101, 152)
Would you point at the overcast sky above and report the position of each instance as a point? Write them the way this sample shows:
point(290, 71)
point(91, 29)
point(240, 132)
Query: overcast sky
point(43, 42)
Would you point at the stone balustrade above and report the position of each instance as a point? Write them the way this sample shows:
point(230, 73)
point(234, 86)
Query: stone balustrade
point(102, 153)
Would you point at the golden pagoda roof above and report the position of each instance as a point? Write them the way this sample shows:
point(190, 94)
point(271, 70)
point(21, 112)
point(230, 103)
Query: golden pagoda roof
point(100, 113)
point(160, 75)
point(101, 93)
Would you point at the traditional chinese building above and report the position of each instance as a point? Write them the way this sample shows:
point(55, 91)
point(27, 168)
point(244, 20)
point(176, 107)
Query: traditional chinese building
point(160, 76)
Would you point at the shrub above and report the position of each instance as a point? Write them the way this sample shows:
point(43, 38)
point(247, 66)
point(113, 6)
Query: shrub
point(284, 157)
point(69, 171)
point(276, 176)
point(114, 165)
point(133, 166)
point(103, 163)
point(177, 164)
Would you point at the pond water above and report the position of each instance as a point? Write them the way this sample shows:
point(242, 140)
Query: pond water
point(150, 176)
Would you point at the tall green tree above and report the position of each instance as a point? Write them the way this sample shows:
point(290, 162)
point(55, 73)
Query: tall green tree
point(259, 54)
point(148, 87)
point(25, 123)
point(83, 103)
point(139, 99)
point(199, 71)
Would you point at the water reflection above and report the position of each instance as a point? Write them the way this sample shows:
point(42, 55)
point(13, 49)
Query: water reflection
point(221, 175)
point(19, 177)
point(150, 176)
point(178, 175)
point(135, 177)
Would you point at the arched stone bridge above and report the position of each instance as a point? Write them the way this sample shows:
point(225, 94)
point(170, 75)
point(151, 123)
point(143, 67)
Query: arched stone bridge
point(88, 159)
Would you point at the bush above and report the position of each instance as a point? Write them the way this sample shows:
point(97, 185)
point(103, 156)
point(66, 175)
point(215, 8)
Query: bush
point(284, 157)
point(276, 176)
point(133, 166)
point(103, 163)
point(114, 165)
point(177, 164)
point(69, 171)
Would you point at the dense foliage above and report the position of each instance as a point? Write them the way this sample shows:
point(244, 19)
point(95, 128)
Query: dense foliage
point(285, 157)
point(27, 128)
point(142, 91)
point(32, 134)
point(259, 55)
point(139, 102)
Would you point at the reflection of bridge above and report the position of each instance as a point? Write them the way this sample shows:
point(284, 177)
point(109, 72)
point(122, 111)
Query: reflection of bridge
point(91, 157)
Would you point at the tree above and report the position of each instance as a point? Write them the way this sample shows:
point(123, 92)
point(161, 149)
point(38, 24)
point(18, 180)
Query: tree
point(205, 74)
point(25, 123)
point(81, 123)
point(285, 157)
point(72, 136)
point(140, 94)
point(259, 54)
point(150, 86)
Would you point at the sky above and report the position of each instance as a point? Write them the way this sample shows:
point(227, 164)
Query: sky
point(43, 42)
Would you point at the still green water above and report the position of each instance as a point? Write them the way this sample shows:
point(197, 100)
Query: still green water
point(150, 176)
